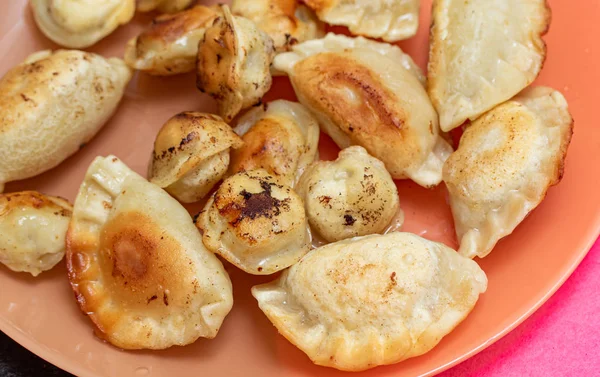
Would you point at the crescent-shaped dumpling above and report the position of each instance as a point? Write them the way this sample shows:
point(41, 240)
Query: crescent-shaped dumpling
point(234, 59)
point(255, 223)
point(80, 24)
point(482, 53)
point(373, 300)
point(286, 21)
point(191, 154)
point(32, 229)
point(51, 104)
point(506, 161)
point(169, 46)
point(163, 6)
point(369, 94)
point(390, 20)
point(137, 264)
point(281, 137)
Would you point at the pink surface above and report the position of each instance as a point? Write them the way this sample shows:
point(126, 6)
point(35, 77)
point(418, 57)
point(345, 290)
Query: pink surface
point(561, 339)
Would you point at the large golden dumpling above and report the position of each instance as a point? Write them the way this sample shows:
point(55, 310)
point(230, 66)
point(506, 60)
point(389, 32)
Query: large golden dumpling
point(506, 161)
point(137, 264)
point(373, 300)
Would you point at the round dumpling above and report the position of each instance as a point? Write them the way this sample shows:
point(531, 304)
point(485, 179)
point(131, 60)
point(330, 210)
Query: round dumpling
point(351, 196)
point(191, 155)
point(255, 223)
point(281, 137)
point(80, 24)
point(163, 6)
point(137, 264)
point(234, 60)
point(33, 228)
point(374, 300)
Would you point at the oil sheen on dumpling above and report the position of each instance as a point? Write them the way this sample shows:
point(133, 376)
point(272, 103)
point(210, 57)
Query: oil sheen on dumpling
point(32, 228)
point(286, 21)
point(163, 6)
point(80, 24)
point(52, 104)
point(351, 196)
point(281, 137)
point(234, 59)
point(169, 46)
point(255, 223)
point(370, 94)
point(506, 161)
point(137, 264)
point(482, 53)
point(373, 300)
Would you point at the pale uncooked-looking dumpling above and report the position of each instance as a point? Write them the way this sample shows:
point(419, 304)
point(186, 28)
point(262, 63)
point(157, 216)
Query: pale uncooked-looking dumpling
point(286, 21)
point(390, 20)
point(370, 94)
point(32, 228)
point(169, 46)
point(234, 60)
point(255, 223)
point(163, 6)
point(80, 24)
point(52, 104)
point(506, 161)
point(137, 264)
point(373, 300)
point(351, 196)
point(191, 154)
point(281, 137)
point(482, 53)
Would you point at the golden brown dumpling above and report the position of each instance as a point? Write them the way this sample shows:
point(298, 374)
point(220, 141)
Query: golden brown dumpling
point(506, 161)
point(191, 154)
point(80, 24)
point(374, 300)
point(351, 196)
point(137, 264)
point(482, 53)
point(390, 20)
point(33, 228)
point(169, 46)
point(51, 104)
point(281, 137)
point(365, 95)
point(255, 223)
point(163, 6)
point(286, 21)
point(234, 59)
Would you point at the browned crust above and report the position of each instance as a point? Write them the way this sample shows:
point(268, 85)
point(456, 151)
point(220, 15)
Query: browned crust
point(35, 200)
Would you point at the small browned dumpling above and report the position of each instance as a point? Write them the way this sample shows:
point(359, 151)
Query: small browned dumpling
point(169, 46)
point(281, 137)
point(191, 154)
point(32, 228)
point(286, 21)
point(234, 60)
point(351, 196)
point(505, 163)
point(163, 6)
point(255, 223)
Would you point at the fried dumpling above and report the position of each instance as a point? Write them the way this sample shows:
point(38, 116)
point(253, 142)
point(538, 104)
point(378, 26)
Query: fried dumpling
point(137, 264)
point(281, 137)
point(373, 300)
point(482, 53)
point(51, 104)
point(370, 94)
point(389, 20)
point(33, 228)
point(169, 46)
point(506, 161)
point(80, 24)
point(255, 223)
point(191, 154)
point(234, 59)
point(163, 6)
point(351, 196)
point(286, 21)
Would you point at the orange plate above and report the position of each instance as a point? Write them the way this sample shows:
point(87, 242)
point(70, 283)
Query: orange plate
point(524, 270)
